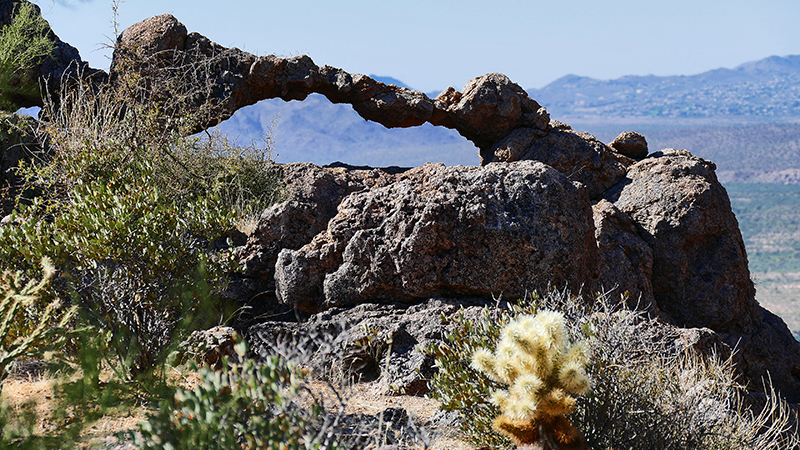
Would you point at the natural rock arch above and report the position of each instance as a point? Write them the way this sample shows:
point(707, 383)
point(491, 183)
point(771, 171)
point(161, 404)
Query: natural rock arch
point(485, 112)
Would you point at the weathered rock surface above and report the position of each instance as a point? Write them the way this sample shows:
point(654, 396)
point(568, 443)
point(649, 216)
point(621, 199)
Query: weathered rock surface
point(20, 140)
point(700, 275)
point(490, 99)
point(312, 195)
point(355, 342)
point(503, 229)
point(665, 231)
point(626, 261)
point(630, 144)
point(154, 36)
point(210, 346)
point(579, 156)
point(665, 234)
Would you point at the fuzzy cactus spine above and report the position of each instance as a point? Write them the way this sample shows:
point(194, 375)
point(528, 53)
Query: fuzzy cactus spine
point(544, 373)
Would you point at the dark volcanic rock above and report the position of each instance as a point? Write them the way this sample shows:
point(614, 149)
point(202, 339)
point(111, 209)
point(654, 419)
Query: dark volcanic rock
point(503, 229)
point(313, 194)
point(158, 36)
point(486, 110)
point(630, 144)
point(579, 156)
point(21, 139)
point(63, 62)
point(700, 275)
point(626, 261)
point(356, 342)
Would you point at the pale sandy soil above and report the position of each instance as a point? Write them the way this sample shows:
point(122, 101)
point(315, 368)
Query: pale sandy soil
point(360, 399)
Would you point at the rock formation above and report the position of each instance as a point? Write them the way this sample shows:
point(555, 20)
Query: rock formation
point(549, 207)
point(355, 342)
point(700, 276)
point(579, 156)
point(665, 234)
point(630, 144)
point(626, 261)
point(438, 231)
point(490, 111)
point(20, 140)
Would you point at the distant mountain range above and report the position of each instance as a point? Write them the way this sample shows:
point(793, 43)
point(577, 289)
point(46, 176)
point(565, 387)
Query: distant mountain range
point(766, 88)
point(704, 113)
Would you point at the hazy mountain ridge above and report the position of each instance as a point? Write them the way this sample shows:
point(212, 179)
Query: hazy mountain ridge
point(768, 87)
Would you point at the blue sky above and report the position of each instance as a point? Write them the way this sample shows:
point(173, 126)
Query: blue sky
point(432, 44)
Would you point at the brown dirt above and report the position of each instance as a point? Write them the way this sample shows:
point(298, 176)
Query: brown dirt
point(361, 398)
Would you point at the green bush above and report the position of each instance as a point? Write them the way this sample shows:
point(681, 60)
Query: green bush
point(240, 406)
point(647, 392)
point(134, 214)
point(23, 43)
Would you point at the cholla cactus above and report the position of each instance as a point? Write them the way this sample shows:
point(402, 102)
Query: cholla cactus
point(543, 372)
point(51, 330)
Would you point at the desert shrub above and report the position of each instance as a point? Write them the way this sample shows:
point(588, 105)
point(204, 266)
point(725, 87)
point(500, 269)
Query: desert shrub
point(247, 405)
point(23, 43)
point(134, 213)
point(647, 392)
point(128, 258)
point(245, 178)
point(326, 355)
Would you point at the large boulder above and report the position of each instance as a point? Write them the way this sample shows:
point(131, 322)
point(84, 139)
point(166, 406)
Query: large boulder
point(503, 229)
point(700, 276)
point(356, 343)
point(630, 144)
point(626, 261)
point(312, 195)
point(579, 156)
point(154, 36)
point(488, 109)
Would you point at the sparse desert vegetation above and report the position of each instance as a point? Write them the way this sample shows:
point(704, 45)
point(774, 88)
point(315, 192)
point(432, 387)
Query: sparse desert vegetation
point(120, 243)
